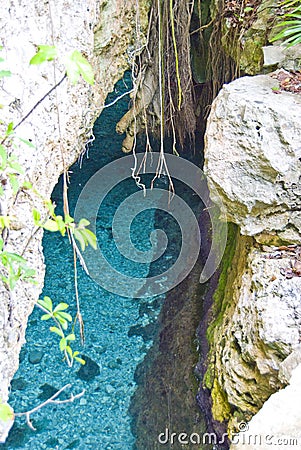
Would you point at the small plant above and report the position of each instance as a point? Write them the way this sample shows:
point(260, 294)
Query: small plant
point(291, 32)
point(9, 166)
point(75, 63)
point(66, 225)
point(6, 412)
point(62, 319)
point(14, 266)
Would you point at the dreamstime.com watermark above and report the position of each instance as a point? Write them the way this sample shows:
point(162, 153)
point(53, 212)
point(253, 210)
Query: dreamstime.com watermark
point(107, 178)
point(241, 438)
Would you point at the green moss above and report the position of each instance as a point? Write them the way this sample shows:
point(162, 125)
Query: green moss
point(219, 305)
point(221, 410)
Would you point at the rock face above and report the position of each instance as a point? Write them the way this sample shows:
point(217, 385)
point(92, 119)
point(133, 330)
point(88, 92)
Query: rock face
point(59, 127)
point(252, 158)
point(278, 423)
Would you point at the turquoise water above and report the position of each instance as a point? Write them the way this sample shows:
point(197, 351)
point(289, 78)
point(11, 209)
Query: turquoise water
point(118, 330)
point(99, 419)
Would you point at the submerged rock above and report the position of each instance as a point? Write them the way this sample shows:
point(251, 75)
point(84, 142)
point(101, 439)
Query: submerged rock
point(18, 384)
point(89, 371)
point(35, 356)
point(47, 391)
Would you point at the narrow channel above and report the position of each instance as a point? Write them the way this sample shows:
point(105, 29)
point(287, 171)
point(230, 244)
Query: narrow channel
point(125, 358)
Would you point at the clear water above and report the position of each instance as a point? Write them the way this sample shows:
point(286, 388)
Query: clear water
point(115, 335)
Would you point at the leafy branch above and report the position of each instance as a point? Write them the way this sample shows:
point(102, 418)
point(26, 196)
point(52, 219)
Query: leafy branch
point(291, 26)
point(61, 319)
point(7, 413)
point(65, 225)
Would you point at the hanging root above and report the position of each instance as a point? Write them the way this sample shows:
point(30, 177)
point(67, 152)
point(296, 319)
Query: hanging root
point(169, 41)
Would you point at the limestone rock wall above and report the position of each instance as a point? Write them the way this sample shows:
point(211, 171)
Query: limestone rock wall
point(107, 33)
point(252, 158)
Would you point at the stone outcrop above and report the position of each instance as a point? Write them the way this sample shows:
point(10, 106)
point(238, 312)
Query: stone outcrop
point(278, 423)
point(59, 127)
point(252, 158)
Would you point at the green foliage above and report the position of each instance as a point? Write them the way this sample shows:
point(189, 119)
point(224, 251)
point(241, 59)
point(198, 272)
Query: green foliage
point(291, 26)
point(9, 166)
point(15, 266)
point(44, 53)
point(62, 320)
point(76, 65)
point(3, 72)
point(6, 412)
point(83, 235)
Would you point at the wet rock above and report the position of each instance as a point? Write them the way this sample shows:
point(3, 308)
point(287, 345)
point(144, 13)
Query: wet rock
point(89, 371)
point(109, 389)
point(23, 354)
point(18, 384)
point(73, 444)
point(52, 442)
point(146, 332)
point(113, 365)
point(47, 391)
point(35, 356)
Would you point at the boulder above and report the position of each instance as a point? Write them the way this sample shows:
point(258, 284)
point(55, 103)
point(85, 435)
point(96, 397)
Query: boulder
point(253, 156)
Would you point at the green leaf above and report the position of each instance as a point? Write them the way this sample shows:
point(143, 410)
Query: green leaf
point(46, 316)
point(27, 185)
point(248, 9)
point(14, 257)
point(79, 237)
point(68, 219)
point(83, 223)
point(61, 307)
point(63, 316)
point(6, 412)
point(5, 73)
point(80, 360)
point(16, 166)
point(63, 344)
point(13, 182)
point(90, 238)
point(61, 225)
point(36, 216)
point(70, 337)
point(3, 156)
point(76, 65)
point(9, 129)
point(4, 221)
point(44, 53)
point(46, 303)
point(69, 351)
point(25, 141)
point(57, 331)
point(63, 322)
point(50, 206)
point(51, 225)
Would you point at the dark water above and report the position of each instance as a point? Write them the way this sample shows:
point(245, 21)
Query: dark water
point(118, 330)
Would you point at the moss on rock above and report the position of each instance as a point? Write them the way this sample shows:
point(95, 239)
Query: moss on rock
point(221, 410)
